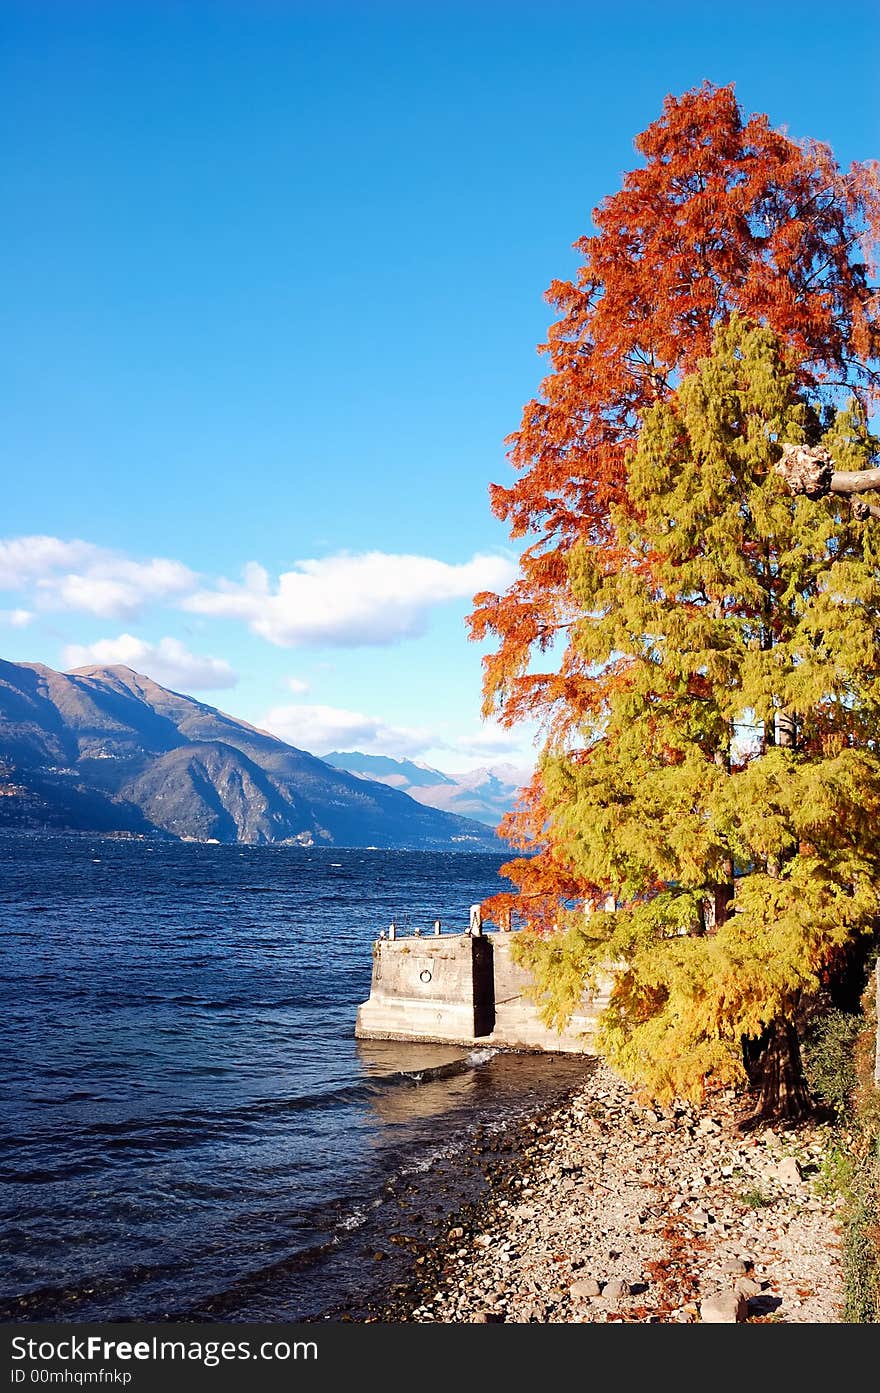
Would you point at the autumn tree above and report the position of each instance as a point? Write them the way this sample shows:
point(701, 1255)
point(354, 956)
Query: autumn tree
point(726, 222)
point(727, 787)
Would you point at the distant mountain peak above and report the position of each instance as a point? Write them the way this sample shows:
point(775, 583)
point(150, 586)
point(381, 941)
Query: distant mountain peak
point(106, 748)
point(107, 669)
point(372, 766)
point(485, 794)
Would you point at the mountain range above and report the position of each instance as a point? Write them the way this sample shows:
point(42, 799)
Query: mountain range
point(485, 794)
point(107, 749)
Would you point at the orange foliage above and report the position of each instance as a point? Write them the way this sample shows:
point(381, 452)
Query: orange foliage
point(543, 877)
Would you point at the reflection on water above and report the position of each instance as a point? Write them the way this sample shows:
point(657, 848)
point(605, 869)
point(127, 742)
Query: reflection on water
point(414, 1082)
point(387, 1057)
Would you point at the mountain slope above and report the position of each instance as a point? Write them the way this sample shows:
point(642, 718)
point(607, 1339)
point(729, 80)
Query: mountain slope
point(483, 794)
point(104, 747)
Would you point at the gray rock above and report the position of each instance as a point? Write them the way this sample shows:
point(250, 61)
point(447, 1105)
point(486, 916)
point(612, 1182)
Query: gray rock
point(748, 1287)
point(534, 1310)
point(585, 1286)
point(788, 1171)
point(725, 1308)
point(615, 1289)
point(734, 1267)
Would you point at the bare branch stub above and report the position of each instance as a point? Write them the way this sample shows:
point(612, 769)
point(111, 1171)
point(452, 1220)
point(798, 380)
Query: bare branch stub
point(810, 470)
point(807, 470)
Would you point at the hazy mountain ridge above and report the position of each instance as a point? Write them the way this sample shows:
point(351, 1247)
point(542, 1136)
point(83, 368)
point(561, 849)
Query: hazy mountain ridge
point(108, 749)
point(385, 769)
point(485, 794)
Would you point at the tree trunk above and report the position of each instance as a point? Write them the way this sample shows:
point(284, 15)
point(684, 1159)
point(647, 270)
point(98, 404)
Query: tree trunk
point(786, 730)
point(718, 905)
point(753, 1047)
point(778, 1075)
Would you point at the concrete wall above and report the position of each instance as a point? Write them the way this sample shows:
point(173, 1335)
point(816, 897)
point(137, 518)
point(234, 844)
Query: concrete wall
point(462, 989)
point(437, 988)
point(517, 1022)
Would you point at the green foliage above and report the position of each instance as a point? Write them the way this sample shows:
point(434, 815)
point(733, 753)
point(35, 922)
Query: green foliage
point(861, 1213)
point(862, 1277)
point(835, 1173)
point(828, 1059)
point(756, 1199)
point(726, 788)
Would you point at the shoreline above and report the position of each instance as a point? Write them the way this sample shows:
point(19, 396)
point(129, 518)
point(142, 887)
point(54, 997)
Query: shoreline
point(604, 1210)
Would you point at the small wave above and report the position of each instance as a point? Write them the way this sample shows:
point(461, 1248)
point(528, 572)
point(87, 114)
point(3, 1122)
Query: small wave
point(428, 1160)
point(428, 1075)
point(172, 1132)
point(76, 1097)
point(355, 1220)
point(475, 1059)
point(357, 1217)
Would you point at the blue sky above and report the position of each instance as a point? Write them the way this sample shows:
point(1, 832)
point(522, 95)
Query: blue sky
point(273, 286)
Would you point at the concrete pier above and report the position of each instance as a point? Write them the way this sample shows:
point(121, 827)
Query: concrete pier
point(463, 989)
point(439, 988)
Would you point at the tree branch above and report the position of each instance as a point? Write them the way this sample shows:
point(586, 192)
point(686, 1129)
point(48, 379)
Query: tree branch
point(811, 471)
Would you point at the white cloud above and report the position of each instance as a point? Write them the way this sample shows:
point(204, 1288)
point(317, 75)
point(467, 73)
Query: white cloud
point(491, 740)
point(296, 685)
point(321, 729)
point(167, 662)
point(373, 598)
point(25, 559)
point(113, 587)
point(16, 618)
point(79, 576)
point(352, 601)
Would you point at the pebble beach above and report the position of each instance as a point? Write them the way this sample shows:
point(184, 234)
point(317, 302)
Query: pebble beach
point(605, 1210)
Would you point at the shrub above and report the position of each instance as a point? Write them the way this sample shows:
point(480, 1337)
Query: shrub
point(828, 1060)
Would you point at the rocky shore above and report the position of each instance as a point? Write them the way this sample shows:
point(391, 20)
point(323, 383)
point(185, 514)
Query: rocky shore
point(605, 1210)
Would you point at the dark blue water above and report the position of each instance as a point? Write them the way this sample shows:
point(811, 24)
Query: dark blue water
point(189, 1128)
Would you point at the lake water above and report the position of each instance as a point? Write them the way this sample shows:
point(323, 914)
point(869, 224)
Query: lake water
point(189, 1128)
